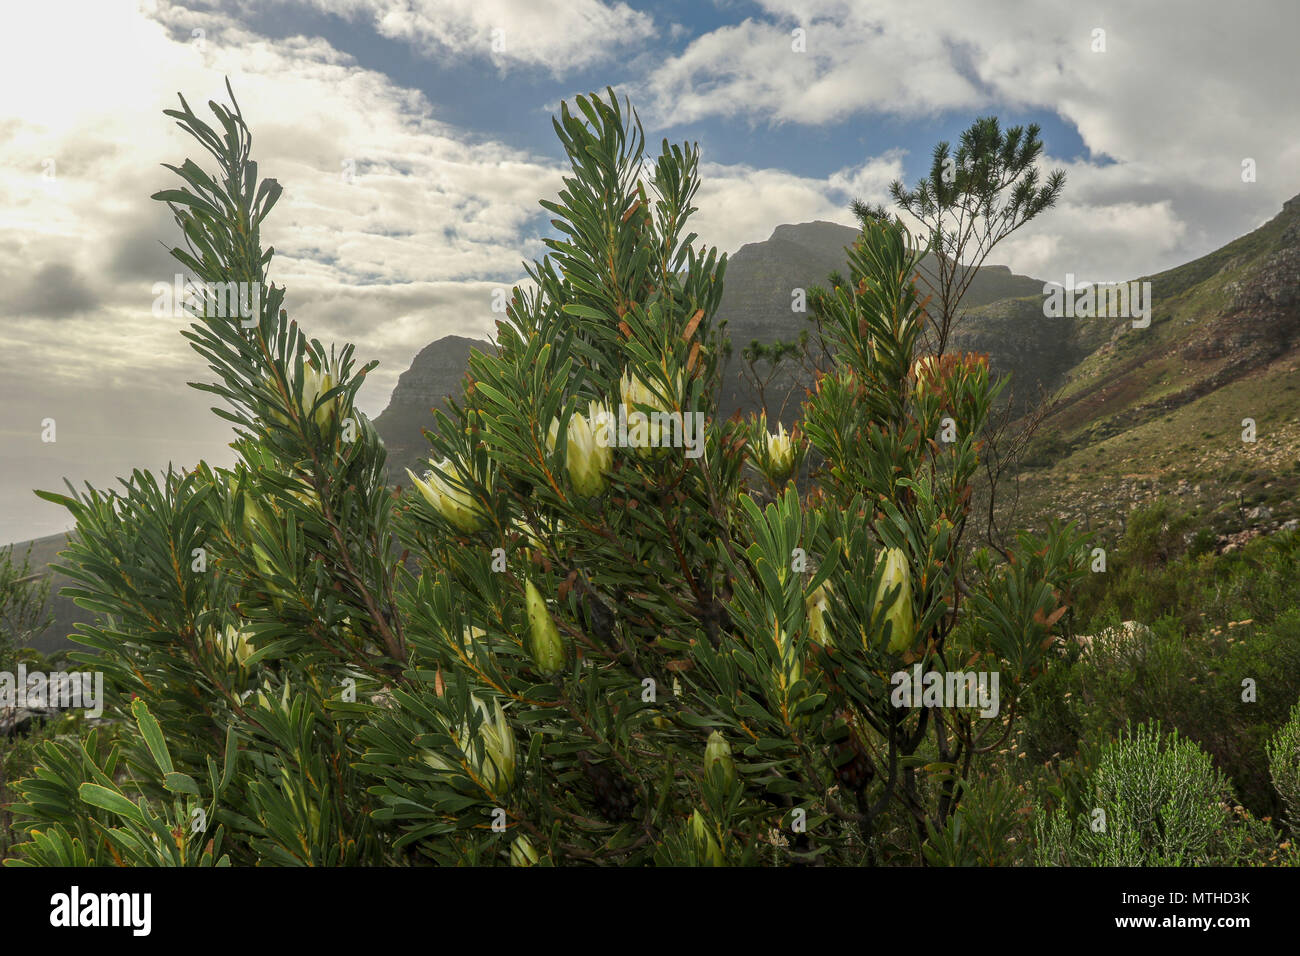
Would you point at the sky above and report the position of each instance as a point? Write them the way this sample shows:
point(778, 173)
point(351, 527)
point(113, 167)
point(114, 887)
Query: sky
point(413, 139)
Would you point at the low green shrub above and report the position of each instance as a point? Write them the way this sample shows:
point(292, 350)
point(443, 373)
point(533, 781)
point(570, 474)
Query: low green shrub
point(1284, 767)
point(1152, 800)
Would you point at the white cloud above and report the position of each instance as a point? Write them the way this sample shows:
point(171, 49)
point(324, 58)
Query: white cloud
point(405, 253)
point(1182, 93)
point(560, 35)
point(426, 209)
point(740, 204)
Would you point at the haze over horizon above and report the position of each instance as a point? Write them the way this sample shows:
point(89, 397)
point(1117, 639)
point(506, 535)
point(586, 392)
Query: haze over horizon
point(413, 149)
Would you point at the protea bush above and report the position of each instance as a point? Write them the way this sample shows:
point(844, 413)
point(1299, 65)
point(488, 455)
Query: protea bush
point(554, 648)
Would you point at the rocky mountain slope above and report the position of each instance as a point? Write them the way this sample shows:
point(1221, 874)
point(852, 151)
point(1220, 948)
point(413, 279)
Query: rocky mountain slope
point(44, 552)
point(1161, 412)
point(436, 372)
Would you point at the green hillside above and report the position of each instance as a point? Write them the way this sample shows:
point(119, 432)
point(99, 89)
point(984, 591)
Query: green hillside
point(1159, 412)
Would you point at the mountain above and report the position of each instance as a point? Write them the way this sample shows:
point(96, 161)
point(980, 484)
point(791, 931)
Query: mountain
point(1161, 412)
point(756, 298)
point(44, 552)
point(436, 372)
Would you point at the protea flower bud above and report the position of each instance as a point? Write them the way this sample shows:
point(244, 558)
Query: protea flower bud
point(925, 371)
point(234, 646)
point(522, 852)
point(544, 643)
point(818, 604)
point(717, 753)
point(315, 383)
point(587, 460)
point(604, 425)
point(498, 769)
point(705, 840)
point(493, 764)
point(635, 392)
point(451, 501)
point(255, 518)
point(899, 614)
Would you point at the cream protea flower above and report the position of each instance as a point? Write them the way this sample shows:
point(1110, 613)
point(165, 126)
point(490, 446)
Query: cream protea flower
point(233, 644)
point(776, 454)
point(717, 753)
point(604, 425)
point(900, 612)
point(522, 852)
point(315, 383)
point(779, 455)
point(587, 460)
point(492, 757)
point(925, 372)
point(638, 397)
point(451, 501)
point(634, 391)
point(819, 615)
point(705, 841)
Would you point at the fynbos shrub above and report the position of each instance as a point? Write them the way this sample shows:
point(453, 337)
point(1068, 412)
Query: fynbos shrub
point(570, 644)
point(1150, 801)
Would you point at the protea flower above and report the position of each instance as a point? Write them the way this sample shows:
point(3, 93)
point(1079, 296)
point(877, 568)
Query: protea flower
point(818, 605)
point(634, 391)
point(899, 614)
point(636, 394)
point(498, 767)
point(234, 645)
point(522, 852)
point(777, 454)
point(315, 383)
point(544, 641)
point(587, 460)
point(925, 372)
point(451, 501)
point(705, 840)
point(493, 763)
point(717, 753)
point(604, 425)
